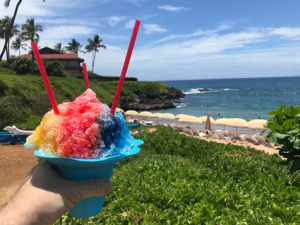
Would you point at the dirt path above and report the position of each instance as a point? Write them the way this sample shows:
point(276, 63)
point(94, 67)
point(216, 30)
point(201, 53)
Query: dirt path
point(15, 163)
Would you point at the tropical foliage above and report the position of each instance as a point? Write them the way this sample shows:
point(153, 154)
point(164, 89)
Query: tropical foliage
point(30, 33)
point(285, 127)
point(74, 46)
point(17, 45)
point(93, 47)
point(177, 179)
point(58, 47)
point(6, 33)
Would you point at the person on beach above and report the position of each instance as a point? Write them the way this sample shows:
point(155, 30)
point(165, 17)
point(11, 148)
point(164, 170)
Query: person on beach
point(45, 196)
point(219, 114)
point(259, 118)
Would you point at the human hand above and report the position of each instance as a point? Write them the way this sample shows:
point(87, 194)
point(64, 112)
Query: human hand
point(45, 196)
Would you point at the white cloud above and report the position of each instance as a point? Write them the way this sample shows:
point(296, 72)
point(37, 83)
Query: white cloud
point(114, 20)
point(130, 24)
point(153, 28)
point(194, 34)
point(64, 32)
point(291, 33)
point(135, 2)
point(172, 8)
point(67, 21)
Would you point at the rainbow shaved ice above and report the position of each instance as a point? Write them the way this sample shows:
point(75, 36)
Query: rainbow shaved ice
point(84, 128)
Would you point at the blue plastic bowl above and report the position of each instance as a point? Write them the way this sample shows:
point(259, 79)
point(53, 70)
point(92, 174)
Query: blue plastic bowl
point(82, 169)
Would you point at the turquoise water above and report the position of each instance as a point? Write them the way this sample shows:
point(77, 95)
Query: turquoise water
point(247, 98)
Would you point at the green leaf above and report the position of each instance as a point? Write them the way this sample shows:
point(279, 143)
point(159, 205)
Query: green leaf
point(279, 135)
point(273, 177)
point(295, 166)
point(272, 113)
point(275, 127)
point(288, 124)
point(297, 144)
point(263, 176)
point(287, 111)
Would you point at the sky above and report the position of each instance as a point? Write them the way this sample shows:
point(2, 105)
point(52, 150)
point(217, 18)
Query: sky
point(177, 40)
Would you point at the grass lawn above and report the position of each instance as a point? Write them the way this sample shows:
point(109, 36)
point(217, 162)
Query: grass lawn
point(177, 179)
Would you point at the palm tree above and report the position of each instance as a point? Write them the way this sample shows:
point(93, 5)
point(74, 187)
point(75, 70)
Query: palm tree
point(5, 34)
point(74, 47)
point(93, 47)
point(58, 47)
point(17, 45)
point(6, 5)
point(29, 33)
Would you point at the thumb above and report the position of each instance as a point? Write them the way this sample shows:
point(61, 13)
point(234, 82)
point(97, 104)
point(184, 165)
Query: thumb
point(92, 187)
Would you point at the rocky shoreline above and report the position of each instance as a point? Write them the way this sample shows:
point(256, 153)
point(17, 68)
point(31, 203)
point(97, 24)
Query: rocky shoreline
point(151, 101)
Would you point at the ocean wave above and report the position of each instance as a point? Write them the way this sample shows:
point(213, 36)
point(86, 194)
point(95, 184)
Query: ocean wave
point(179, 105)
point(204, 90)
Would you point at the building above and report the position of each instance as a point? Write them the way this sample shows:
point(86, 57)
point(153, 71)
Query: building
point(70, 61)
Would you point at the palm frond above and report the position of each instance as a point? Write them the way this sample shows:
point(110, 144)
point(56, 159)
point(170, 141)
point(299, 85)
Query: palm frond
point(6, 3)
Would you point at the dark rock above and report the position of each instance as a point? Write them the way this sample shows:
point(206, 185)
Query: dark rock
point(151, 101)
point(204, 90)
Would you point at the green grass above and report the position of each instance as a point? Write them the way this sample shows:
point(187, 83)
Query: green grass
point(177, 179)
point(24, 100)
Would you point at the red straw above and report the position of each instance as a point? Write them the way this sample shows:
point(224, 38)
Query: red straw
point(44, 76)
point(125, 67)
point(86, 76)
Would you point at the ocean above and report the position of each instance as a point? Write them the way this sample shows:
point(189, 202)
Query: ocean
point(247, 98)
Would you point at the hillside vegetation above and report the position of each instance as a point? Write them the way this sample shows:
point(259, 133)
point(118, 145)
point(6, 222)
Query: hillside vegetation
point(177, 179)
point(24, 100)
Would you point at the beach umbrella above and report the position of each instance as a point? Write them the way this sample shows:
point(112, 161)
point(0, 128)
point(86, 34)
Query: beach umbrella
point(119, 110)
point(156, 115)
point(221, 121)
point(257, 124)
point(189, 119)
point(167, 116)
point(204, 118)
point(237, 123)
point(179, 116)
point(131, 113)
point(207, 124)
point(145, 114)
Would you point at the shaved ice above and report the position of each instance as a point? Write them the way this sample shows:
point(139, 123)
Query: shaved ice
point(84, 128)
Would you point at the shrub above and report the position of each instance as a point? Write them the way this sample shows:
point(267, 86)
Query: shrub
point(21, 66)
point(285, 130)
point(53, 68)
point(11, 111)
point(3, 64)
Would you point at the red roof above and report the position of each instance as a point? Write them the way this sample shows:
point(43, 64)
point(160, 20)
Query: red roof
point(53, 56)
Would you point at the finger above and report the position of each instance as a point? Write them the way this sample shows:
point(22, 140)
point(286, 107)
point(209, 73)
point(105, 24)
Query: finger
point(90, 188)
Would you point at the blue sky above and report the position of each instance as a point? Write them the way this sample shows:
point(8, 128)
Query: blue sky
point(177, 39)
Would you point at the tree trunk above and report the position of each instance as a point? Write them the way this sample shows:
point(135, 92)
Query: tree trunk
point(19, 51)
point(8, 54)
point(10, 27)
point(93, 62)
point(32, 63)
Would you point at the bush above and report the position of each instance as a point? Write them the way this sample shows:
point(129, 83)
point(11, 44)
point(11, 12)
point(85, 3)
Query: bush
point(3, 64)
point(53, 68)
point(21, 66)
point(285, 130)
